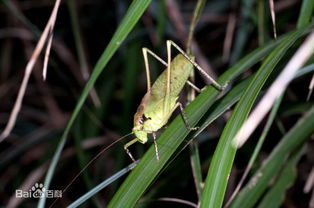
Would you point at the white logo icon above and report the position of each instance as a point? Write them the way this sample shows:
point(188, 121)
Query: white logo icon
point(38, 191)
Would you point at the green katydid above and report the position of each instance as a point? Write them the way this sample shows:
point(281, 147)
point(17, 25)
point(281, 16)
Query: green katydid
point(160, 101)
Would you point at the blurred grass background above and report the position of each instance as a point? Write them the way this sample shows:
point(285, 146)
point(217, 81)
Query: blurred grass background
point(225, 33)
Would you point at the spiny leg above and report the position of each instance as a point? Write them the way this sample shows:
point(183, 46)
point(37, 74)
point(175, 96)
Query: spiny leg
point(187, 125)
point(215, 84)
point(127, 150)
point(156, 147)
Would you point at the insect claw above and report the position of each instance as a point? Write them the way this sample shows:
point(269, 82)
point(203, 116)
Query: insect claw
point(203, 88)
point(132, 167)
point(222, 87)
point(194, 128)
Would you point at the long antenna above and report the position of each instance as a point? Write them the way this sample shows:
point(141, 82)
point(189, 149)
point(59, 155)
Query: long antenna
point(89, 163)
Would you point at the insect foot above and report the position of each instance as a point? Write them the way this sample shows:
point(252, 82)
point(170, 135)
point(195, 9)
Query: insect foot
point(224, 86)
point(194, 128)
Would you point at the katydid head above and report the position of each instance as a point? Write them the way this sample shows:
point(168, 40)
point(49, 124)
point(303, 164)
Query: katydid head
point(144, 125)
point(139, 124)
point(139, 121)
point(140, 135)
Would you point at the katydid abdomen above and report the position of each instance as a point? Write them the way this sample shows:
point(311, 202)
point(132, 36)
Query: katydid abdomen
point(151, 114)
point(181, 69)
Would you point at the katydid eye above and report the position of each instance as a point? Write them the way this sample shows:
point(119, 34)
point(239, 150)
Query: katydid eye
point(143, 119)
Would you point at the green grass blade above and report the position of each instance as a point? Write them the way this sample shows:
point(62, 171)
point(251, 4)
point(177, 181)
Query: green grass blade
point(306, 13)
point(132, 16)
point(196, 167)
point(72, 6)
point(222, 105)
point(261, 19)
point(132, 61)
point(217, 178)
point(266, 129)
point(194, 151)
point(83, 158)
point(148, 168)
point(261, 139)
point(276, 194)
point(244, 30)
point(161, 22)
point(292, 140)
point(272, 115)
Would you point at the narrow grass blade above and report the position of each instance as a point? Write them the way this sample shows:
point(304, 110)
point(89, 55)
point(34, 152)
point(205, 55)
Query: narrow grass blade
point(148, 168)
point(276, 194)
point(306, 13)
point(300, 57)
point(132, 16)
point(257, 148)
point(222, 105)
point(266, 129)
point(83, 158)
point(194, 152)
point(217, 178)
point(259, 182)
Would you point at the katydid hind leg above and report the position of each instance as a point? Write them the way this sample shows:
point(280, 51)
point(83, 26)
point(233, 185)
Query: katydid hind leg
point(198, 67)
point(147, 51)
point(166, 108)
point(156, 147)
point(185, 120)
point(144, 50)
